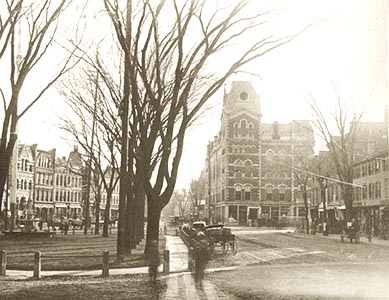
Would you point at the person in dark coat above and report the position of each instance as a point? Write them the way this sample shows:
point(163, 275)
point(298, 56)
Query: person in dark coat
point(153, 260)
point(201, 256)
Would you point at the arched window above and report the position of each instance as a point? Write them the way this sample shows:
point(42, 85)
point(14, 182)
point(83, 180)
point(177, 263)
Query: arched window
point(248, 169)
point(236, 130)
point(269, 193)
point(282, 154)
point(269, 154)
point(30, 185)
point(281, 191)
point(24, 184)
point(238, 168)
point(17, 184)
point(251, 130)
point(247, 192)
point(238, 192)
point(243, 128)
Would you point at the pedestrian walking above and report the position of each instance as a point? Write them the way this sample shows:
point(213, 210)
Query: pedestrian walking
point(152, 258)
point(201, 255)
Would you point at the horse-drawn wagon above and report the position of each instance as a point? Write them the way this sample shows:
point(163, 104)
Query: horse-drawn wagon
point(220, 236)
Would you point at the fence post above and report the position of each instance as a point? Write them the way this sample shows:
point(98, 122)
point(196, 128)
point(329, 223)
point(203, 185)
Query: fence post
point(105, 272)
point(3, 262)
point(37, 265)
point(166, 262)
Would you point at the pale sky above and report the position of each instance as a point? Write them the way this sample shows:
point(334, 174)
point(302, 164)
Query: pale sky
point(349, 49)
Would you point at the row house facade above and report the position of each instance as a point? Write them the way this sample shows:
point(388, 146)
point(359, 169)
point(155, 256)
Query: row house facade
point(370, 180)
point(44, 183)
point(25, 179)
point(250, 164)
point(51, 188)
point(371, 198)
point(68, 186)
point(47, 187)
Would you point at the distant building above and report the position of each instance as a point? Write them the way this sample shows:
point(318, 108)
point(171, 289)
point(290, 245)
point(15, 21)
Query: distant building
point(25, 178)
point(370, 180)
point(372, 138)
point(371, 200)
point(250, 164)
point(44, 183)
point(68, 186)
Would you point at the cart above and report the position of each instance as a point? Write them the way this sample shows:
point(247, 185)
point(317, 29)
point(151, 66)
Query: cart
point(220, 236)
point(350, 231)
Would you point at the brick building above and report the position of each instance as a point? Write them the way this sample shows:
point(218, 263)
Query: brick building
point(249, 164)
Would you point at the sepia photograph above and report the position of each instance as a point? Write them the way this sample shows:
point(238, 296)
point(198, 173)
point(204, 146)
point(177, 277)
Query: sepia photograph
point(194, 150)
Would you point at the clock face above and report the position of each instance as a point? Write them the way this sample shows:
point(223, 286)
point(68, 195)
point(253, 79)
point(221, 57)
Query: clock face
point(243, 96)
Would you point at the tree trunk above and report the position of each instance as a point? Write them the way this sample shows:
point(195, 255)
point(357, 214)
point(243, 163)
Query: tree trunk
point(153, 217)
point(107, 214)
point(121, 238)
point(306, 210)
point(348, 201)
point(129, 230)
point(140, 216)
point(97, 212)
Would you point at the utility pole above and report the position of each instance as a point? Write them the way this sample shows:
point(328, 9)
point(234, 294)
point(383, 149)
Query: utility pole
point(324, 194)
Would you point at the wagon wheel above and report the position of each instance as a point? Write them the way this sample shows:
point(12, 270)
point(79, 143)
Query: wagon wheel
point(225, 246)
point(234, 246)
point(211, 247)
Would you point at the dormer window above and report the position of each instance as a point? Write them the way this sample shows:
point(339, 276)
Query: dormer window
point(243, 96)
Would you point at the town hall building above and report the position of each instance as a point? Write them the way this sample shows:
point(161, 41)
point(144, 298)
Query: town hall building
point(250, 165)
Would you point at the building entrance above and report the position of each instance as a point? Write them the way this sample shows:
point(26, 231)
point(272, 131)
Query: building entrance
point(243, 215)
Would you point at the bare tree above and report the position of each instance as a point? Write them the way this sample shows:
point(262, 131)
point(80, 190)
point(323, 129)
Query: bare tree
point(303, 181)
point(339, 133)
point(197, 192)
point(27, 31)
point(182, 200)
point(94, 109)
point(166, 83)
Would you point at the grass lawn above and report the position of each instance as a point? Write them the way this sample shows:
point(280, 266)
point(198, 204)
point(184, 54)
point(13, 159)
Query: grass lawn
point(114, 287)
point(70, 252)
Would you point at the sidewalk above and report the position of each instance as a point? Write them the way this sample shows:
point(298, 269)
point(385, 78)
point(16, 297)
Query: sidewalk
point(180, 282)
